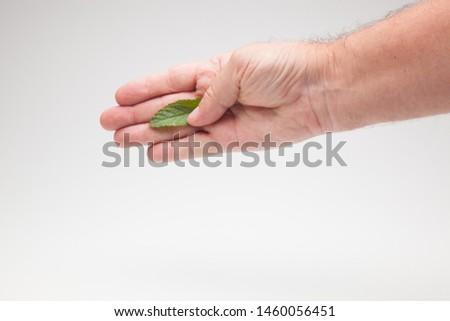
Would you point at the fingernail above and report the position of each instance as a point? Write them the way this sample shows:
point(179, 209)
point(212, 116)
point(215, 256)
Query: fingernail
point(193, 116)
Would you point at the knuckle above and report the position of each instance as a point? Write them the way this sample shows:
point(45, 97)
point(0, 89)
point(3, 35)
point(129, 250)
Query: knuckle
point(214, 98)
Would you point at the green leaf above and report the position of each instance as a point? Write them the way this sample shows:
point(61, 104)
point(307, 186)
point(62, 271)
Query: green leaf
point(174, 114)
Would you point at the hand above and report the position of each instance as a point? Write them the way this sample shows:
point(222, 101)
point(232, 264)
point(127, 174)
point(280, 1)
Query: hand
point(259, 89)
point(297, 90)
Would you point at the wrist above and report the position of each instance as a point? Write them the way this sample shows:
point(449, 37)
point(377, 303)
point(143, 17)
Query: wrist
point(341, 89)
point(325, 85)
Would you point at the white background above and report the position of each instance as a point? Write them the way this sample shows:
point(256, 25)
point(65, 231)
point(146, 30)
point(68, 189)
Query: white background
point(378, 229)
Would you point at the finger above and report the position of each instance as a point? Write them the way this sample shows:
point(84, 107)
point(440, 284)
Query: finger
point(177, 79)
point(145, 135)
point(123, 116)
point(220, 96)
point(192, 146)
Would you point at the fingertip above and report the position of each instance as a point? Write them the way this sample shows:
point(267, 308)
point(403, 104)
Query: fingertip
point(158, 154)
point(193, 118)
point(117, 96)
point(112, 118)
point(203, 115)
point(118, 138)
point(102, 120)
point(105, 120)
point(133, 92)
point(120, 97)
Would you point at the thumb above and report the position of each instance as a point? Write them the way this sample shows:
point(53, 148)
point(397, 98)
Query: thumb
point(221, 95)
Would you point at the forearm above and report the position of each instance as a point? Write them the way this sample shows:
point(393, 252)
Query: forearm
point(396, 69)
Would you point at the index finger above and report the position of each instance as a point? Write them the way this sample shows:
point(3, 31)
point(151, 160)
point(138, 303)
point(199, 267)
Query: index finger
point(177, 79)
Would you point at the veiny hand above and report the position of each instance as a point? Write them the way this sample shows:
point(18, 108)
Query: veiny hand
point(259, 89)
